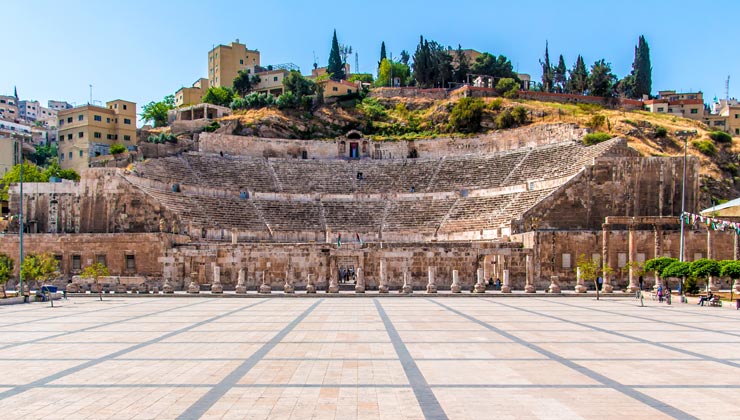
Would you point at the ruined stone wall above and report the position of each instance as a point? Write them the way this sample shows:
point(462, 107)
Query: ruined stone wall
point(408, 92)
point(617, 186)
point(531, 136)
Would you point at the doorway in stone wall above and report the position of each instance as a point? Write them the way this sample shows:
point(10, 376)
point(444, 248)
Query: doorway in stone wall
point(347, 270)
point(354, 152)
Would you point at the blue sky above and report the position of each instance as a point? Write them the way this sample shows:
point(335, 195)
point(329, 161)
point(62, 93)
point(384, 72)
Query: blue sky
point(143, 50)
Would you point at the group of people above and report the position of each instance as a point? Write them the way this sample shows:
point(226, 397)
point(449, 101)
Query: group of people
point(346, 274)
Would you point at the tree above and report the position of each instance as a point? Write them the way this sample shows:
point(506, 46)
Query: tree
point(361, 77)
point(559, 75)
point(336, 66)
point(31, 173)
point(156, 112)
point(54, 170)
point(44, 154)
point(704, 268)
point(641, 70)
point(730, 269)
point(405, 57)
point(657, 265)
point(298, 85)
point(218, 95)
point(578, 80)
point(465, 116)
point(398, 70)
point(95, 271)
point(242, 83)
point(345, 51)
point(39, 267)
point(117, 148)
point(507, 87)
point(497, 67)
point(679, 270)
point(432, 64)
point(602, 80)
point(6, 270)
point(547, 71)
point(591, 269)
point(382, 54)
point(463, 66)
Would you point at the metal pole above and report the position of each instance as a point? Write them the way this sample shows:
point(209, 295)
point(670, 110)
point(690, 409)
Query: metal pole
point(20, 219)
point(683, 207)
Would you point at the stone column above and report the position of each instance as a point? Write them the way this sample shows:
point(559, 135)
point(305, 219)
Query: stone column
point(234, 236)
point(480, 284)
point(167, 288)
point(712, 282)
point(554, 285)
point(333, 284)
point(529, 286)
point(406, 289)
point(193, 287)
point(288, 286)
point(455, 288)
point(264, 287)
point(606, 286)
point(382, 283)
point(216, 287)
point(310, 287)
point(360, 285)
point(580, 288)
point(241, 287)
point(431, 287)
point(632, 250)
point(506, 286)
point(658, 252)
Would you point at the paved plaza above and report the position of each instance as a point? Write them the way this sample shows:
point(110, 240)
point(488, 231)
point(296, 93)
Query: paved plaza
point(368, 358)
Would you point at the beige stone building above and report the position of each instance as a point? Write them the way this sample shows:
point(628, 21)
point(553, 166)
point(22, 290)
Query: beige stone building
point(88, 131)
point(9, 108)
point(338, 87)
point(225, 62)
point(321, 71)
point(271, 82)
point(192, 95)
point(687, 105)
point(9, 153)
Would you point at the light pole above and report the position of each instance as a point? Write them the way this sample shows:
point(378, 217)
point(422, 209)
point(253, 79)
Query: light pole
point(685, 134)
point(20, 219)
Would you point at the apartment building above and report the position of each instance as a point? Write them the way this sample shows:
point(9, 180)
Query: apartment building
point(192, 95)
point(59, 105)
point(8, 108)
point(687, 105)
point(225, 62)
point(88, 131)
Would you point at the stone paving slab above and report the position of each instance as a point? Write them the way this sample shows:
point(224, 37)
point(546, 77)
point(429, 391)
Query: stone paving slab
point(414, 358)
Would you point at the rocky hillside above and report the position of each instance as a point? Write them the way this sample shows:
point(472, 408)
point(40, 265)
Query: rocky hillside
point(394, 118)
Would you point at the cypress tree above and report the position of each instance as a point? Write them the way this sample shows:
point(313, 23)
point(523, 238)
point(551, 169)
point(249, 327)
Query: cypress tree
point(560, 76)
point(546, 71)
point(642, 70)
point(578, 82)
point(382, 53)
point(335, 67)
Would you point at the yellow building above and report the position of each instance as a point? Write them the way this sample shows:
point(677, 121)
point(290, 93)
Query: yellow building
point(225, 62)
point(321, 71)
point(271, 82)
point(88, 131)
point(192, 95)
point(338, 87)
point(9, 153)
point(732, 113)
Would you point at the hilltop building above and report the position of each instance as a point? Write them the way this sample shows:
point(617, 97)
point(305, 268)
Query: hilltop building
point(192, 95)
point(686, 105)
point(89, 130)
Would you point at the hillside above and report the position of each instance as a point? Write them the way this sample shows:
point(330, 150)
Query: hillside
point(406, 118)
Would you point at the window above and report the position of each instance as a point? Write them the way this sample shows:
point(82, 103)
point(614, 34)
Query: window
point(241, 62)
point(76, 262)
point(61, 123)
point(661, 109)
point(107, 120)
point(737, 116)
point(275, 79)
point(694, 111)
point(69, 120)
point(81, 153)
point(80, 134)
point(127, 138)
point(97, 135)
point(126, 121)
point(124, 106)
point(80, 117)
point(70, 155)
point(100, 259)
point(130, 263)
point(566, 260)
point(97, 118)
point(737, 131)
point(61, 157)
point(334, 89)
point(109, 136)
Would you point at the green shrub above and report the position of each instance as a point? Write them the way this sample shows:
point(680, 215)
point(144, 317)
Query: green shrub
point(213, 126)
point(117, 148)
point(589, 108)
point(705, 146)
point(507, 87)
point(162, 138)
point(720, 137)
point(372, 108)
point(595, 138)
point(520, 114)
point(731, 168)
point(630, 122)
point(505, 120)
point(496, 104)
point(254, 100)
point(287, 100)
point(466, 115)
point(660, 132)
point(597, 121)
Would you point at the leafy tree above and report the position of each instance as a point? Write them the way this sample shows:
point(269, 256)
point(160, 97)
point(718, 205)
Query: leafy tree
point(547, 71)
point(578, 80)
point(591, 269)
point(507, 87)
point(560, 77)
point(336, 66)
point(505, 120)
point(730, 269)
point(54, 170)
point(298, 85)
point(44, 154)
point(520, 115)
point(31, 173)
point(242, 83)
point(6, 270)
point(432, 64)
point(466, 115)
point(156, 112)
point(498, 67)
point(679, 270)
point(361, 77)
point(254, 100)
point(96, 271)
point(218, 95)
point(405, 57)
point(602, 80)
point(382, 54)
point(463, 66)
point(657, 265)
point(39, 267)
point(705, 268)
point(641, 70)
point(388, 68)
point(117, 148)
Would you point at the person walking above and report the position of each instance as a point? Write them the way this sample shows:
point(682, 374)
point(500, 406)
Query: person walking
point(660, 293)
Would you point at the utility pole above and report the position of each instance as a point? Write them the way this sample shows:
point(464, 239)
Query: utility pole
point(20, 221)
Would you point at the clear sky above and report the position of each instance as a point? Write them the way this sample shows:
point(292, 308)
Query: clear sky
point(143, 50)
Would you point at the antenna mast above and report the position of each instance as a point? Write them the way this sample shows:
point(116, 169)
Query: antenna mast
point(727, 88)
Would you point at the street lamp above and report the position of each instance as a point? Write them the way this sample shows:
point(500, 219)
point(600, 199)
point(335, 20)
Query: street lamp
point(20, 216)
point(685, 135)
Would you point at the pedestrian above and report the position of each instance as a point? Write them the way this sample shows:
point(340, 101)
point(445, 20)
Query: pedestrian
point(660, 293)
point(599, 281)
point(641, 283)
point(498, 284)
point(490, 282)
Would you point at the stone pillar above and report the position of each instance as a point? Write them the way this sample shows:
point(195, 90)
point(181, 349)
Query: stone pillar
point(406, 289)
point(580, 288)
point(382, 283)
point(241, 287)
point(736, 248)
point(431, 287)
point(360, 285)
point(632, 250)
point(216, 287)
point(333, 284)
point(658, 252)
point(264, 287)
point(554, 285)
point(288, 286)
point(606, 286)
point(193, 287)
point(167, 288)
point(234, 236)
point(455, 288)
point(529, 286)
point(506, 286)
point(310, 287)
point(480, 284)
